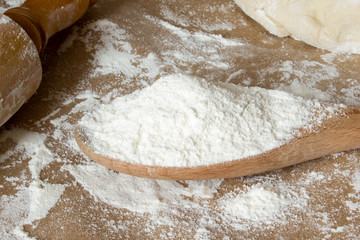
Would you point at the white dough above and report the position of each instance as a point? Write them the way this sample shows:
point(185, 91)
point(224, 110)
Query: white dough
point(328, 24)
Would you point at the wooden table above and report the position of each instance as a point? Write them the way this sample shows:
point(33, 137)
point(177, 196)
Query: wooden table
point(149, 39)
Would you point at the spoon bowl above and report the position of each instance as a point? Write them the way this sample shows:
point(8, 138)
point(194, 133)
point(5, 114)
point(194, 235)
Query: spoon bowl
point(336, 134)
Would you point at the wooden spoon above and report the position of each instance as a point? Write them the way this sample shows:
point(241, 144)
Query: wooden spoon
point(24, 32)
point(336, 134)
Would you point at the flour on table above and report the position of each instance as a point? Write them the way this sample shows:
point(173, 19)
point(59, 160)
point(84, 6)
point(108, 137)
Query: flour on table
point(261, 202)
point(39, 197)
point(196, 209)
point(185, 20)
point(113, 53)
point(355, 182)
point(10, 4)
point(141, 195)
point(186, 121)
point(310, 79)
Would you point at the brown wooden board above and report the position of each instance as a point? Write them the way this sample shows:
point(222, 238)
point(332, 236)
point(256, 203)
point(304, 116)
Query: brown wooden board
point(213, 40)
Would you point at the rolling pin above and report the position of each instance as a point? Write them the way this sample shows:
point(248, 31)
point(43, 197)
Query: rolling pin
point(24, 32)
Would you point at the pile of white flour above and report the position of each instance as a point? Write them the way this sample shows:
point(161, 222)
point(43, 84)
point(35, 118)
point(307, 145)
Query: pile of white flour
point(57, 189)
point(183, 120)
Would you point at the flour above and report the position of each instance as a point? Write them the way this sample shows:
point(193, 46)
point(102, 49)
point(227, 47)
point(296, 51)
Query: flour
point(188, 121)
point(355, 182)
point(187, 36)
point(141, 195)
point(312, 79)
point(56, 179)
point(14, 210)
point(261, 202)
point(44, 196)
point(264, 202)
point(4, 20)
point(39, 197)
point(185, 20)
point(10, 4)
point(192, 48)
point(113, 54)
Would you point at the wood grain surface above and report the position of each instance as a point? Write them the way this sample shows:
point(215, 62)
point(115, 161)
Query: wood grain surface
point(161, 37)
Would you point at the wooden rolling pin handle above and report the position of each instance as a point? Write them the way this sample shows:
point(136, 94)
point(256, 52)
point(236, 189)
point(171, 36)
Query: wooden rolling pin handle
point(43, 18)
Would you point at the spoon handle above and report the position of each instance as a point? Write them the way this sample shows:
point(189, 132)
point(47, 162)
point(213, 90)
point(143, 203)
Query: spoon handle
point(43, 18)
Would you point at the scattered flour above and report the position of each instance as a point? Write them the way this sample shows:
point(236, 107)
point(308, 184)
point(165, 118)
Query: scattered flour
point(187, 36)
point(39, 197)
point(191, 49)
point(355, 182)
point(185, 20)
point(161, 201)
point(262, 202)
point(10, 4)
point(141, 195)
point(13, 212)
point(312, 79)
point(44, 196)
point(302, 90)
point(267, 203)
point(188, 121)
point(113, 54)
